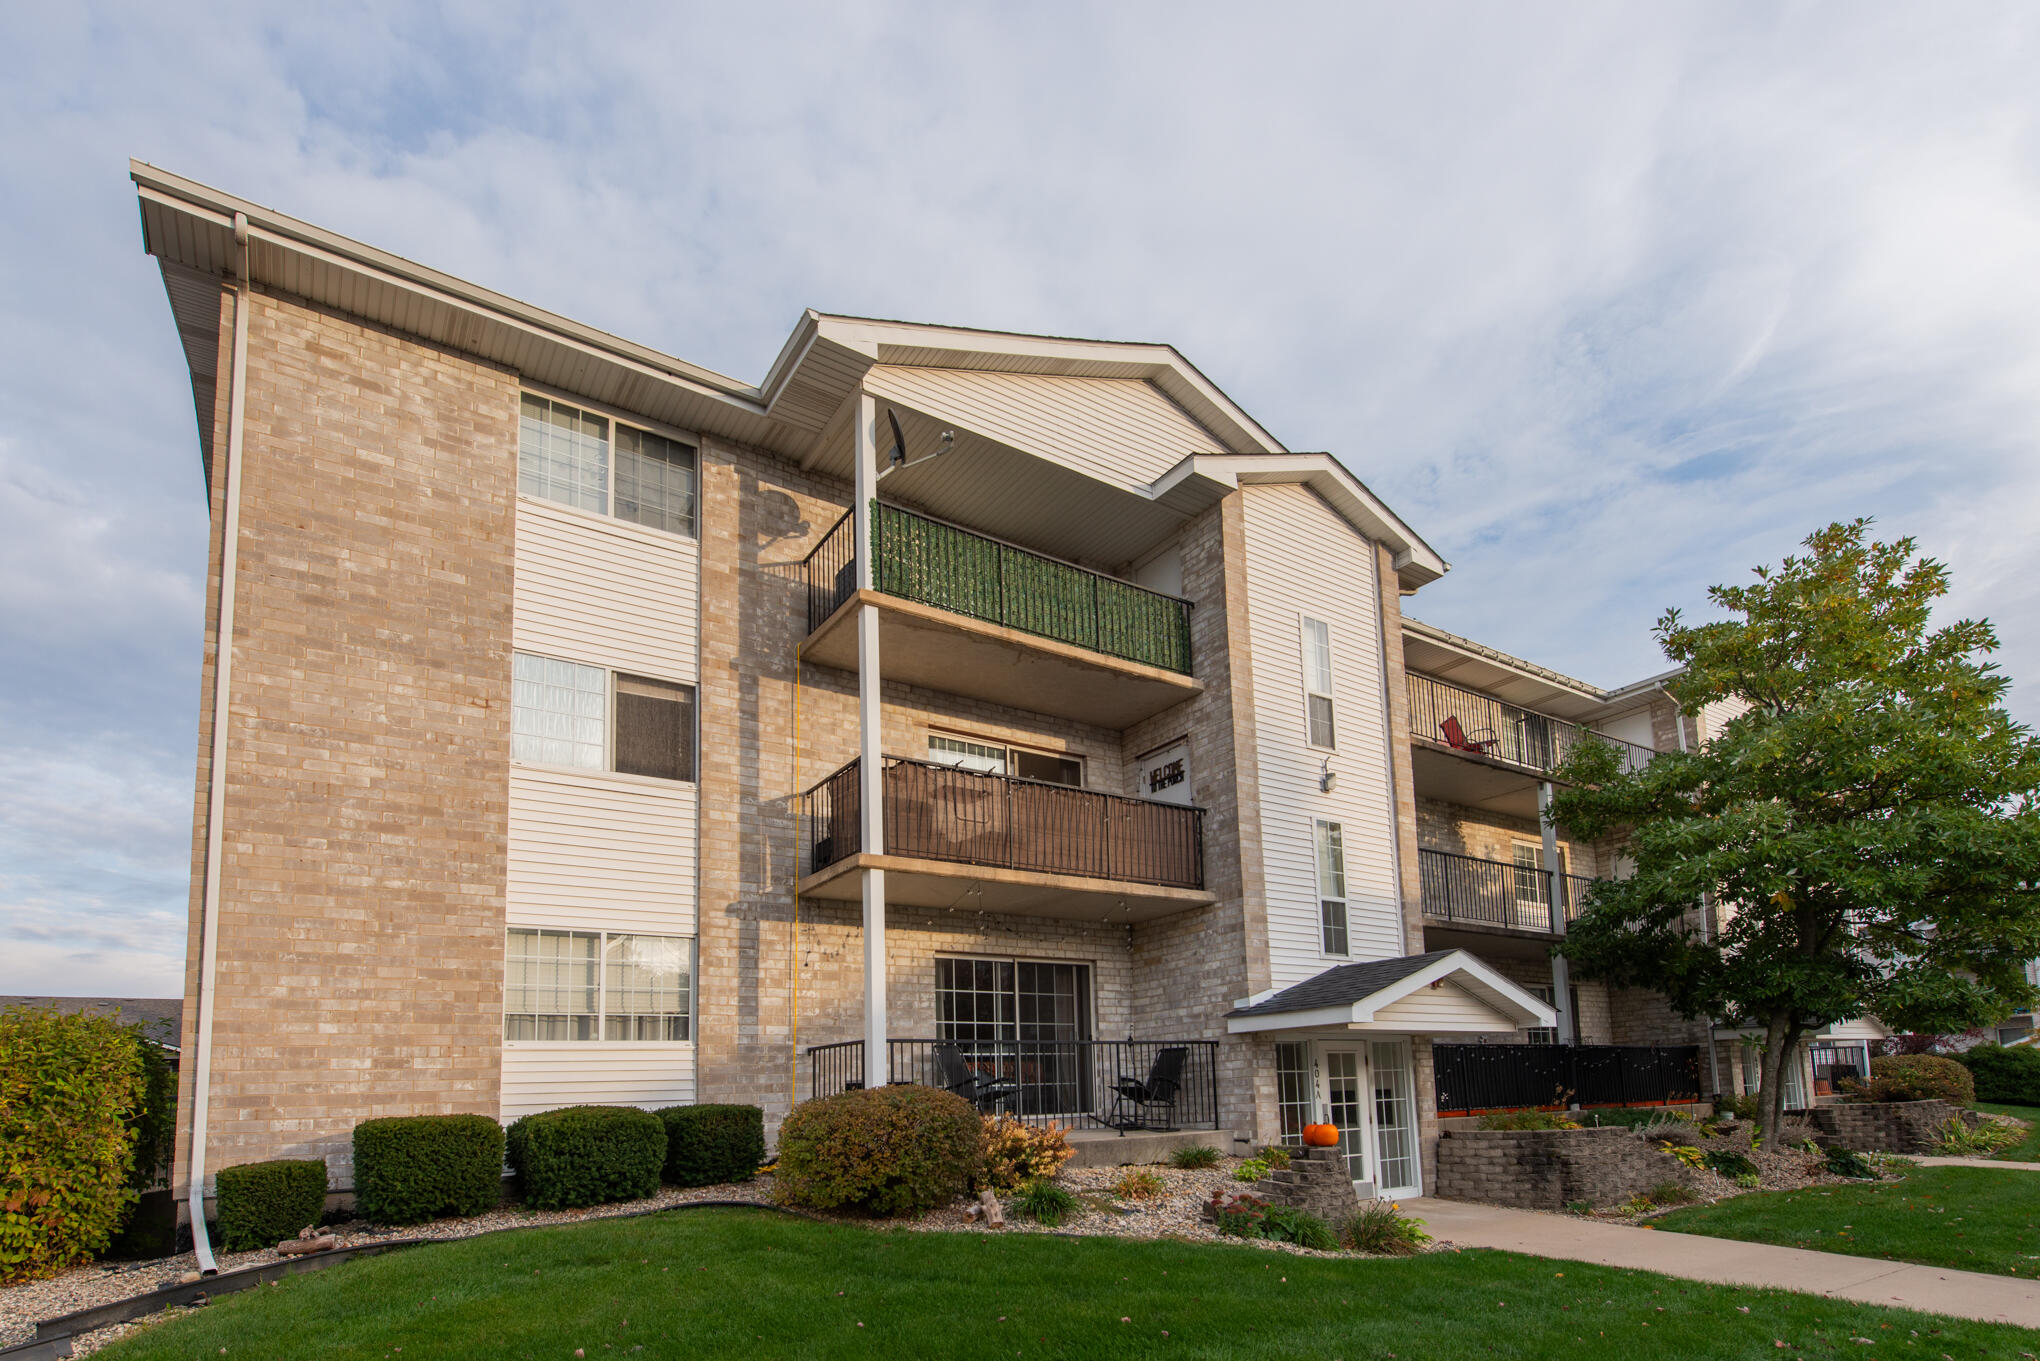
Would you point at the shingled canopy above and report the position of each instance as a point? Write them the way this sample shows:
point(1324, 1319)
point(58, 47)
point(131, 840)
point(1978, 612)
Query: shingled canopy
point(1444, 992)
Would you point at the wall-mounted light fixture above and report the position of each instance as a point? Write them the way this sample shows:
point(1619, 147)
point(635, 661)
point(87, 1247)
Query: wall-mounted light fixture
point(1328, 779)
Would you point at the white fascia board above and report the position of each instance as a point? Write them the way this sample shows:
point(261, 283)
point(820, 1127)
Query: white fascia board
point(1345, 493)
point(1465, 969)
point(1317, 1018)
point(218, 208)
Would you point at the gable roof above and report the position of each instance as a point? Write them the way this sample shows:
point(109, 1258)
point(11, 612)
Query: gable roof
point(1356, 994)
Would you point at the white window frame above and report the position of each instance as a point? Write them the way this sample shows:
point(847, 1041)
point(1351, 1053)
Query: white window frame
point(1006, 760)
point(1542, 1034)
point(1325, 897)
point(608, 770)
point(601, 1014)
point(614, 418)
point(1310, 688)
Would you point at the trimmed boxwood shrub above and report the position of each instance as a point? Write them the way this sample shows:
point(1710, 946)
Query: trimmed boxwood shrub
point(2009, 1077)
point(1917, 1077)
point(891, 1151)
point(587, 1155)
point(411, 1168)
point(261, 1204)
point(69, 1085)
point(710, 1145)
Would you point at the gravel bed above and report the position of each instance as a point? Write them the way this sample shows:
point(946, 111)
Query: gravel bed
point(23, 1306)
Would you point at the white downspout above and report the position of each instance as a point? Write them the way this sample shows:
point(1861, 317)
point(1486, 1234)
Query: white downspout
point(216, 772)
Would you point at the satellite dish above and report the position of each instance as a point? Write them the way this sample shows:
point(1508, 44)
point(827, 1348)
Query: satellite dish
point(899, 450)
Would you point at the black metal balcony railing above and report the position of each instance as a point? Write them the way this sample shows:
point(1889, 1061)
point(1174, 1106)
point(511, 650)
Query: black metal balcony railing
point(1072, 1083)
point(1466, 888)
point(1506, 732)
point(965, 573)
point(937, 812)
point(1488, 1077)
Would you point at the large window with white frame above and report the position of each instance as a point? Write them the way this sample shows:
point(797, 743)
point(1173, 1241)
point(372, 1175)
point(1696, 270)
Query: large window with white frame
point(586, 460)
point(570, 714)
point(1000, 758)
point(1331, 879)
point(1319, 714)
point(597, 986)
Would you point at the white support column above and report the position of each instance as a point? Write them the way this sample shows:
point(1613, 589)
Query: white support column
point(1561, 972)
point(870, 750)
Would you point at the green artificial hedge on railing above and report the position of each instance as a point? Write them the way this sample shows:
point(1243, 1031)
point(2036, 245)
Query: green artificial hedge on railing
point(965, 573)
point(587, 1155)
point(411, 1168)
point(712, 1145)
point(262, 1204)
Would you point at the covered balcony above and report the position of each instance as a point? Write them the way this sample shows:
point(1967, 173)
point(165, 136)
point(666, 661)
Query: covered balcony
point(1475, 750)
point(1003, 844)
point(973, 615)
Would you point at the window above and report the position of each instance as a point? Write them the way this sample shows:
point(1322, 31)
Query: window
point(993, 758)
point(557, 712)
point(560, 716)
point(654, 728)
point(1317, 683)
point(654, 481)
point(1532, 890)
point(1331, 877)
point(1540, 1034)
point(563, 455)
point(1022, 1021)
point(556, 984)
point(1294, 1098)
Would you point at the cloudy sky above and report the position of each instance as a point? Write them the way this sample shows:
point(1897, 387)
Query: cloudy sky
point(1610, 302)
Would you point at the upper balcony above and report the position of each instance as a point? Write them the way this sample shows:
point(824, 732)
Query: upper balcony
point(1481, 752)
point(994, 843)
point(972, 615)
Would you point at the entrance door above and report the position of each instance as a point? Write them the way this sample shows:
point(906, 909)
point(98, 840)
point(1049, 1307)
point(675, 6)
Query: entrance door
point(1397, 1167)
point(1346, 1107)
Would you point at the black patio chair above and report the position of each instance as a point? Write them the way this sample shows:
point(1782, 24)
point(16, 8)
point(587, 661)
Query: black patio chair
point(956, 1075)
point(1134, 1102)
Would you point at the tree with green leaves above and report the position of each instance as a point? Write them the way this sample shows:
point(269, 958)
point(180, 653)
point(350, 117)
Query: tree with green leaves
point(1867, 830)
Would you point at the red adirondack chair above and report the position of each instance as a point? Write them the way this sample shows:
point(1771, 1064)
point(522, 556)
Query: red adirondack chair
point(1455, 737)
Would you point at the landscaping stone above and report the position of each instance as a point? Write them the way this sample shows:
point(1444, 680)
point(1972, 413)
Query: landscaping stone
point(1886, 1126)
point(1315, 1182)
point(1547, 1169)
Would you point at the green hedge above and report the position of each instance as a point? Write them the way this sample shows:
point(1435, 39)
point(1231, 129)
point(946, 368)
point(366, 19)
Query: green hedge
point(261, 1204)
point(69, 1085)
point(1917, 1077)
point(711, 1145)
point(411, 1168)
point(891, 1151)
point(587, 1155)
point(148, 1229)
point(2007, 1077)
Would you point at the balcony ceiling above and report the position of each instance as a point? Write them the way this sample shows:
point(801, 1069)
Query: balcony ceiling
point(1473, 782)
point(1435, 652)
point(922, 645)
point(967, 890)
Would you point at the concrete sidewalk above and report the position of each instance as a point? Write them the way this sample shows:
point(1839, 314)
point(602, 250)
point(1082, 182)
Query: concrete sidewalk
point(1992, 1163)
point(1867, 1280)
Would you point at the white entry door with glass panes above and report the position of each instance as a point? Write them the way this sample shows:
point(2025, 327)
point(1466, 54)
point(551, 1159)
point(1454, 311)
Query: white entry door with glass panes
point(1366, 1089)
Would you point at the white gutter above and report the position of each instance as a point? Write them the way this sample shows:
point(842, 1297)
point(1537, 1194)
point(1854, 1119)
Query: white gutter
point(216, 769)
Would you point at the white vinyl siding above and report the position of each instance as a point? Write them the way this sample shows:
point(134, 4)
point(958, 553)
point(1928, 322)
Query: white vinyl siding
point(593, 850)
point(601, 591)
point(1448, 1010)
point(1304, 561)
point(544, 1076)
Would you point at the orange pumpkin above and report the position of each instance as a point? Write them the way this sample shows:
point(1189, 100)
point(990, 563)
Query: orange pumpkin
point(1321, 1136)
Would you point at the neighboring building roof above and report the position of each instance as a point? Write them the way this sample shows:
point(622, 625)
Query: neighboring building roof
point(164, 1016)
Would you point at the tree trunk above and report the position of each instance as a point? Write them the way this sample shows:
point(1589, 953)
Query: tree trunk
point(1780, 1036)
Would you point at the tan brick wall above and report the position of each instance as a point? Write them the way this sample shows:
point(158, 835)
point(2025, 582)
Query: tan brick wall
point(361, 897)
point(1401, 766)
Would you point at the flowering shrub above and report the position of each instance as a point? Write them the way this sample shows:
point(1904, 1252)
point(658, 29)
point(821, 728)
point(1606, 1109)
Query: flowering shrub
point(1239, 1216)
point(1015, 1154)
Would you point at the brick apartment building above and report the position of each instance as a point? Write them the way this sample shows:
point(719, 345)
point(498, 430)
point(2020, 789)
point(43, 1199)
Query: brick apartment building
point(598, 728)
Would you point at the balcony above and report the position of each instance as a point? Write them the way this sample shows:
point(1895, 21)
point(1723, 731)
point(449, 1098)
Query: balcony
point(972, 615)
point(1504, 752)
point(993, 843)
point(1465, 890)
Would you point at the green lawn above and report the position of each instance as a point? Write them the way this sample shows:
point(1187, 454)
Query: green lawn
point(2028, 1152)
point(736, 1283)
point(1969, 1217)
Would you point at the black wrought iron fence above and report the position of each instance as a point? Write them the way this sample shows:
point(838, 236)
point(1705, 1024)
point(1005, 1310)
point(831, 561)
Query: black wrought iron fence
point(938, 812)
point(1503, 731)
point(951, 568)
point(1485, 1077)
point(1078, 1084)
point(1467, 888)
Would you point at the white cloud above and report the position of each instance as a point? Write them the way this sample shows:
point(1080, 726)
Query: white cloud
point(1611, 302)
